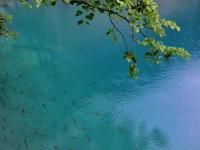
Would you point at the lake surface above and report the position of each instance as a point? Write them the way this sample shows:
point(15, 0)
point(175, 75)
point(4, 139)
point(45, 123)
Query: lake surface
point(66, 87)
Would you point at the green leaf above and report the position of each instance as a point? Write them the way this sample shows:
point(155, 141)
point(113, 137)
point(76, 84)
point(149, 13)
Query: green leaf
point(80, 22)
point(90, 16)
point(79, 12)
point(130, 56)
point(53, 2)
point(110, 31)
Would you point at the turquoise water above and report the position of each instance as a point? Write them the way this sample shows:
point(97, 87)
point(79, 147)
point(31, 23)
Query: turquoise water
point(66, 87)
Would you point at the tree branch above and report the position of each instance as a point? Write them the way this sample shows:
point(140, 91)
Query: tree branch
point(100, 8)
point(118, 32)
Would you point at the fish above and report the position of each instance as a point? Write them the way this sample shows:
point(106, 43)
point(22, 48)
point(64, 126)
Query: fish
point(35, 131)
point(23, 111)
point(53, 99)
point(44, 105)
point(74, 102)
point(97, 113)
point(88, 129)
point(4, 119)
point(3, 127)
point(81, 97)
point(89, 139)
point(93, 82)
point(26, 143)
point(56, 148)
point(64, 91)
point(12, 132)
point(72, 137)
point(74, 121)
point(83, 78)
point(5, 138)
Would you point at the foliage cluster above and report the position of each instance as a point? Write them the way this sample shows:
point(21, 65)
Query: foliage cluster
point(140, 15)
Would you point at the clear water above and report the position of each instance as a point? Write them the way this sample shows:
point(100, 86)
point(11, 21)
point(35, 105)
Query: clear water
point(65, 87)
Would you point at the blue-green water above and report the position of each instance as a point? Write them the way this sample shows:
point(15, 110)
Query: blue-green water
point(65, 87)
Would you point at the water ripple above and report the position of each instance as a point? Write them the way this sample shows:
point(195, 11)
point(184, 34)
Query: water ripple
point(107, 104)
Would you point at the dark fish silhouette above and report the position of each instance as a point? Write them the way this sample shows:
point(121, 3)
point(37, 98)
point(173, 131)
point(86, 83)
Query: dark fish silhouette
point(5, 138)
point(56, 148)
point(35, 131)
point(44, 105)
point(64, 91)
point(4, 119)
point(89, 139)
point(53, 99)
point(87, 129)
point(23, 111)
point(3, 127)
point(25, 143)
point(93, 82)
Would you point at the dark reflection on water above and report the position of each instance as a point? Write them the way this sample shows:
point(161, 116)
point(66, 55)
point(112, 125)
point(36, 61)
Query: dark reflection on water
point(64, 87)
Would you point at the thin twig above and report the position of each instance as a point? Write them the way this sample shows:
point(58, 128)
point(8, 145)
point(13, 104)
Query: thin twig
point(118, 32)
